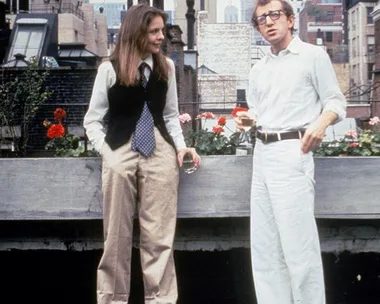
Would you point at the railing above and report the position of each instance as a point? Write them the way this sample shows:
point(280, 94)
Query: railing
point(257, 53)
point(64, 8)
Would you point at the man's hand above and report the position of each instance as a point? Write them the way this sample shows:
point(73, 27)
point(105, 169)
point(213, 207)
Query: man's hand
point(316, 131)
point(313, 137)
point(239, 116)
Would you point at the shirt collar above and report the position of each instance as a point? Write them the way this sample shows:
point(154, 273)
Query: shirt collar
point(148, 61)
point(293, 47)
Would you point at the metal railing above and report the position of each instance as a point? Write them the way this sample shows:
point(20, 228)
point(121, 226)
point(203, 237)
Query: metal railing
point(63, 8)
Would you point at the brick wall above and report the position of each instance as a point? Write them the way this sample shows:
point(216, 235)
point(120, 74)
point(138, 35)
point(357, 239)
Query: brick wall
point(217, 92)
point(225, 48)
point(342, 71)
point(71, 91)
point(326, 18)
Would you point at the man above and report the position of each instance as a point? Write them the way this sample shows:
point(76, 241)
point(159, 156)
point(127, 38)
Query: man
point(293, 97)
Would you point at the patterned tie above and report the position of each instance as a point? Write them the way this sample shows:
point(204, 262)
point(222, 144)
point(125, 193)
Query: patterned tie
point(143, 139)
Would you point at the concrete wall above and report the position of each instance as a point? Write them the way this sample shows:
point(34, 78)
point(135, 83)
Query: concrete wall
point(56, 204)
point(69, 188)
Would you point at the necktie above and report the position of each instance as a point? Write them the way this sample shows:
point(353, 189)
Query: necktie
point(143, 139)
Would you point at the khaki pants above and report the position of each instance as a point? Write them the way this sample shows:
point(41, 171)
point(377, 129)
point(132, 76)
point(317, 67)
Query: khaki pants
point(129, 178)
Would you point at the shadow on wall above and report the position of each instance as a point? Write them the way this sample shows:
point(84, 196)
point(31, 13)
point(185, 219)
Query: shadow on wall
point(217, 277)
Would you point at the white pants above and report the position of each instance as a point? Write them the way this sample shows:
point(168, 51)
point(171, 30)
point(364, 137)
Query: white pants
point(286, 256)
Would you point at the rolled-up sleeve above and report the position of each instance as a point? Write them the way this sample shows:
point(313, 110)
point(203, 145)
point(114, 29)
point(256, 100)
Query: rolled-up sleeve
point(171, 113)
point(98, 107)
point(327, 86)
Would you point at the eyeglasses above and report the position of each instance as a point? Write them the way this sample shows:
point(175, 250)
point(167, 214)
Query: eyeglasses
point(262, 19)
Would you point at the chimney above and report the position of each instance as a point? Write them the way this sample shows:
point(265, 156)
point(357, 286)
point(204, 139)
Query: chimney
point(159, 4)
point(2, 15)
point(190, 16)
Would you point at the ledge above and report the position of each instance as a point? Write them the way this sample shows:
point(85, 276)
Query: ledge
point(69, 188)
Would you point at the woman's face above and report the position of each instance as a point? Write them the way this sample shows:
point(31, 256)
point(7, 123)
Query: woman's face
point(155, 36)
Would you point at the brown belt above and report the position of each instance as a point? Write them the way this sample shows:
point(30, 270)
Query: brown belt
point(272, 137)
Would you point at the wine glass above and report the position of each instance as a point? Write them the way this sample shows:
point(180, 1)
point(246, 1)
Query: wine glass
point(247, 123)
point(245, 146)
point(188, 164)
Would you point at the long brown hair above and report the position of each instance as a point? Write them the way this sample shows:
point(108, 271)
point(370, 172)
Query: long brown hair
point(132, 42)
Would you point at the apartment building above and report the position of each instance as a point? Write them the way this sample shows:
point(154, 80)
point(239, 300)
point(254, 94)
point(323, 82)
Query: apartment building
point(361, 41)
point(321, 23)
point(375, 107)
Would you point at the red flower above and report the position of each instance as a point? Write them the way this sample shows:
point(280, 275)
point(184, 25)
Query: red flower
point(55, 131)
point(222, 121)
point(217, 129)
point(238, 109)
point(59, 114)
point(206, 115)
point(354, 145)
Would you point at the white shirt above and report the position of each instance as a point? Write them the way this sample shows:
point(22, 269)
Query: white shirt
point(289, 91)
point(98, 107)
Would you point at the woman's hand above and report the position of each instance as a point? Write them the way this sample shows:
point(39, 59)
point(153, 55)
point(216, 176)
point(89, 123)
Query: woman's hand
point(182, 152)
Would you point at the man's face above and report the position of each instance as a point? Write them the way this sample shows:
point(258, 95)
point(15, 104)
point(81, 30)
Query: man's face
point(276, 32)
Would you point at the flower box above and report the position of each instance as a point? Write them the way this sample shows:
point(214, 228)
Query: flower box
point(69, 188)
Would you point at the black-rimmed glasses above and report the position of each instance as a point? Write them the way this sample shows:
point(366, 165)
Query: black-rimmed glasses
point(262, 19)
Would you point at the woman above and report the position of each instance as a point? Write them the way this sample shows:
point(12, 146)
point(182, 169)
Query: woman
point(141, 147)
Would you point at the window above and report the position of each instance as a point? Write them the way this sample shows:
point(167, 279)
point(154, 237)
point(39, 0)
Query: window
point(354, 73)
point(354, 47)
point(353, 19)
point(29, 38)
point(202, 5)
point(329, 36)
point(231, 14)
point(371, 44)
point(370, 70)
point(369, 17)
point(330, 16)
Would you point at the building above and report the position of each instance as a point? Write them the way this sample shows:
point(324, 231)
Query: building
point(321, 23)
point(361, 41)
point(181, 9)
point(67, 31)
point(375, 106)
point(224, 63)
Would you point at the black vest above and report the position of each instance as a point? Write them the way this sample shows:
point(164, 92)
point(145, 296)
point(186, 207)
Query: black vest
point(126, 105)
